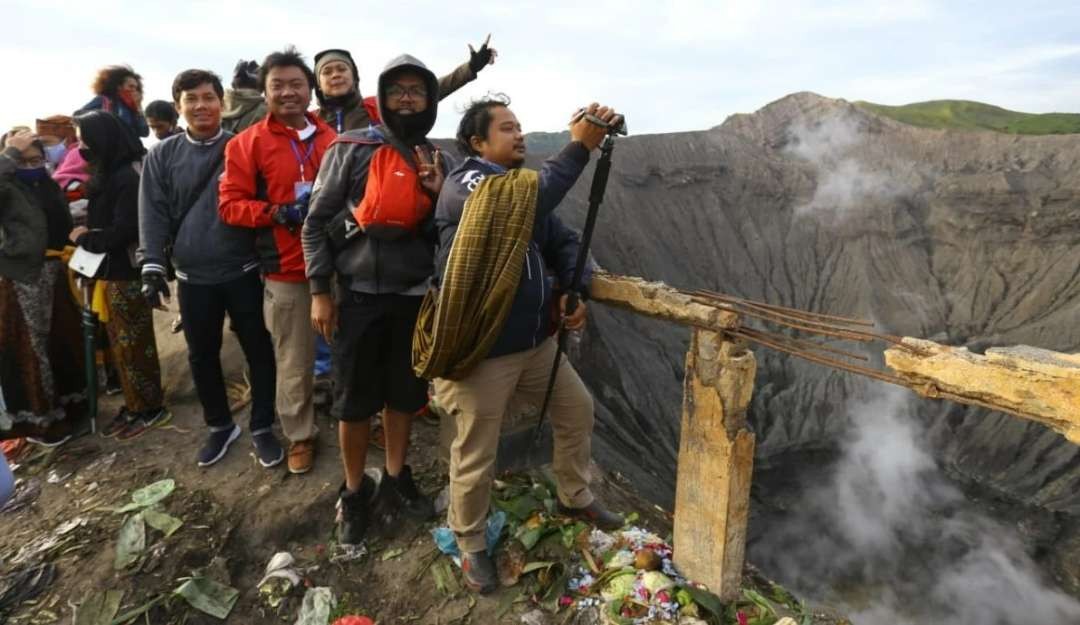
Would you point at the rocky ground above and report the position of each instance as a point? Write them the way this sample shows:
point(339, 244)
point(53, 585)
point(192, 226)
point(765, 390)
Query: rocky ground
point(235, 517)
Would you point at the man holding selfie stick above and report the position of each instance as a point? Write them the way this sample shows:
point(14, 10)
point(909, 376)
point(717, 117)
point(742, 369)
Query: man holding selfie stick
point(486, 335)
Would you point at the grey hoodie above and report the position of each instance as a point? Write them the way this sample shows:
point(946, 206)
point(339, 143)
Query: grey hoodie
point(367, 264)
point(205, 250)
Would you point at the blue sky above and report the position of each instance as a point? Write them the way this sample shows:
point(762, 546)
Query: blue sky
point(673, 66)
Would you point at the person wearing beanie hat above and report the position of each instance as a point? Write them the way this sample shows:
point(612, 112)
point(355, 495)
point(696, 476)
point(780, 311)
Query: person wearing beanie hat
point(337, 87)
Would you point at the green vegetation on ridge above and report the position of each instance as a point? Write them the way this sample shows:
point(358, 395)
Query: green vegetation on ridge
point(967, 115)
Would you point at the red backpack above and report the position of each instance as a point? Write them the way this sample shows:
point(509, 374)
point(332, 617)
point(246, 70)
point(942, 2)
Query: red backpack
point(394, 203)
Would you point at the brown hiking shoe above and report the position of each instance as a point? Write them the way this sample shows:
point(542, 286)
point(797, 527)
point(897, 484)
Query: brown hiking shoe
point(301, 456)
point(596, 514)
point(478, 572)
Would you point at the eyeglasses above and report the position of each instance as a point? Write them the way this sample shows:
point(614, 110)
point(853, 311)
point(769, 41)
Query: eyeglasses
point(397, 92)
point(31, 163)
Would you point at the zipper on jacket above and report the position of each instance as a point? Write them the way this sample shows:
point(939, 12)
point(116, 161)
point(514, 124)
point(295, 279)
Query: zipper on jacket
point(540, 311)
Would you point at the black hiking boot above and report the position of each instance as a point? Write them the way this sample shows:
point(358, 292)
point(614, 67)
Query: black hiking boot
point(354, 512)
point(478, 572)
point(596, 514)
point(401, 493)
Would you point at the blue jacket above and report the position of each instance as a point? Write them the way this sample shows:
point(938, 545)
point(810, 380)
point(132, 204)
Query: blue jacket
point(553, 244)
point(132, 118)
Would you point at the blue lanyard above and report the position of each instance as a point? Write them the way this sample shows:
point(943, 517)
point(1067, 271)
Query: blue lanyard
point(340, 121)
point(307, 155)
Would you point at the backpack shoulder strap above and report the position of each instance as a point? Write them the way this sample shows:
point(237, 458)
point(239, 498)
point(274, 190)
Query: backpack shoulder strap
point(206, 178)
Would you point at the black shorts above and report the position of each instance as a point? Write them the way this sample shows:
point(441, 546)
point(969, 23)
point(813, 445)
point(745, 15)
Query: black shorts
point(372, 352)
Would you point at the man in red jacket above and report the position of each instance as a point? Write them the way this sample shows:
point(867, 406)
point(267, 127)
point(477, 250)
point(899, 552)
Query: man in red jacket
point(269, 171)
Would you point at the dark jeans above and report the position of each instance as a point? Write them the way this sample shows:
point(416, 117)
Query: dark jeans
point(203, 309)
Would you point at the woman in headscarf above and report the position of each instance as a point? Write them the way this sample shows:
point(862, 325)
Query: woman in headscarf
point(115, 154)
point(119, 90)
point(41, 382)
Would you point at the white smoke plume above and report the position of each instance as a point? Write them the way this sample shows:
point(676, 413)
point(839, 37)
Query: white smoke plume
point(845, 185)
point(891, 542)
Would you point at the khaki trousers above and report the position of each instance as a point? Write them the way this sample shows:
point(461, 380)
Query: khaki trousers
point(478, 404)
point(287, 308)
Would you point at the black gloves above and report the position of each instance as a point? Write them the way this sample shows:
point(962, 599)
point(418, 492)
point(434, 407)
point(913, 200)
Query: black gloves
point(479, 59)
point(154, 286)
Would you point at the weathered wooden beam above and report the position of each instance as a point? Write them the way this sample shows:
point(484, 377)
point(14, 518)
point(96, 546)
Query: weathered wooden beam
point(656, 299)
point(1032, 383)
point(716, 461)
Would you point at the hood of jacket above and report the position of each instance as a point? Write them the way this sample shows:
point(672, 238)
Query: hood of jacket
point(241, 101)
point(420, 125)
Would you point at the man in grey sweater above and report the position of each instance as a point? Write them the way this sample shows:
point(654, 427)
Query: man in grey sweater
point(216, 265)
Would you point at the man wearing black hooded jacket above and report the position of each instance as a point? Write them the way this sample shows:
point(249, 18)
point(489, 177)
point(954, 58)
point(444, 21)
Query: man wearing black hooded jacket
point(383, 266)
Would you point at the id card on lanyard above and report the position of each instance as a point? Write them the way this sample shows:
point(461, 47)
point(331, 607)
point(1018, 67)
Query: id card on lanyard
point(302, 187)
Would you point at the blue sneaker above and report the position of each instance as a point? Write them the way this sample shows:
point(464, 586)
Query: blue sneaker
point(217, 443)
point(267, 448)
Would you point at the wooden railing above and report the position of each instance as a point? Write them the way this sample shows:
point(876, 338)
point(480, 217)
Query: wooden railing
point(716, 448)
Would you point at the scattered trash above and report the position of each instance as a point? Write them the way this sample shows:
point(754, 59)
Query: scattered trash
point(445, 580)
point(442, 502)
point(26, 493)
point(536, 617)
point(647, 560)
point(99, 608)
point(40, 547)
point(348, 553)
point(787, 620)
point(56, 477)
point(445, 541)
point(131, 541)
point(354, 620)
point(279, 580)
point(68, 526)
point(149, 495)
point(104, 462)
point(390, 554)
point(209, 596)
point(510, 563)
point(318, 603)
point(281, 566)
point(159, 520)
point(22, 585)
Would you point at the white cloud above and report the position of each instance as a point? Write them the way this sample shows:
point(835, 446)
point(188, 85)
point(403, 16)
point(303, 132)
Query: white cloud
point(673, 66)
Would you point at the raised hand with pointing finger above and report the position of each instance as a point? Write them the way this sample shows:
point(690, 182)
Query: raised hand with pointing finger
point(479, 59)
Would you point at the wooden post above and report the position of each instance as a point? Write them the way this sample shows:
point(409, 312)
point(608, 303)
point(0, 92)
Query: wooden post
point(716, 458)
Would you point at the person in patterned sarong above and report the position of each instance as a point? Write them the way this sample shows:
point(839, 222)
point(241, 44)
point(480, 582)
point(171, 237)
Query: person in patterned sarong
point(115, 157)
point(41, 379)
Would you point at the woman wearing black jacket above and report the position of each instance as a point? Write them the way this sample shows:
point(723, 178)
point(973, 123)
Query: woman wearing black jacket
point(114, 155)
point(41, 382)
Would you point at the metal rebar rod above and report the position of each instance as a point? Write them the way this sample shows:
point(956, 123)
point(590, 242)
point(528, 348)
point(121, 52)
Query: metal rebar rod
point(791, 311)
point(821, 360)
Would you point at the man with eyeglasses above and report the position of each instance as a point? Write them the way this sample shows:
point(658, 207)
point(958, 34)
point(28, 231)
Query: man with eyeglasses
point(370, 224)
